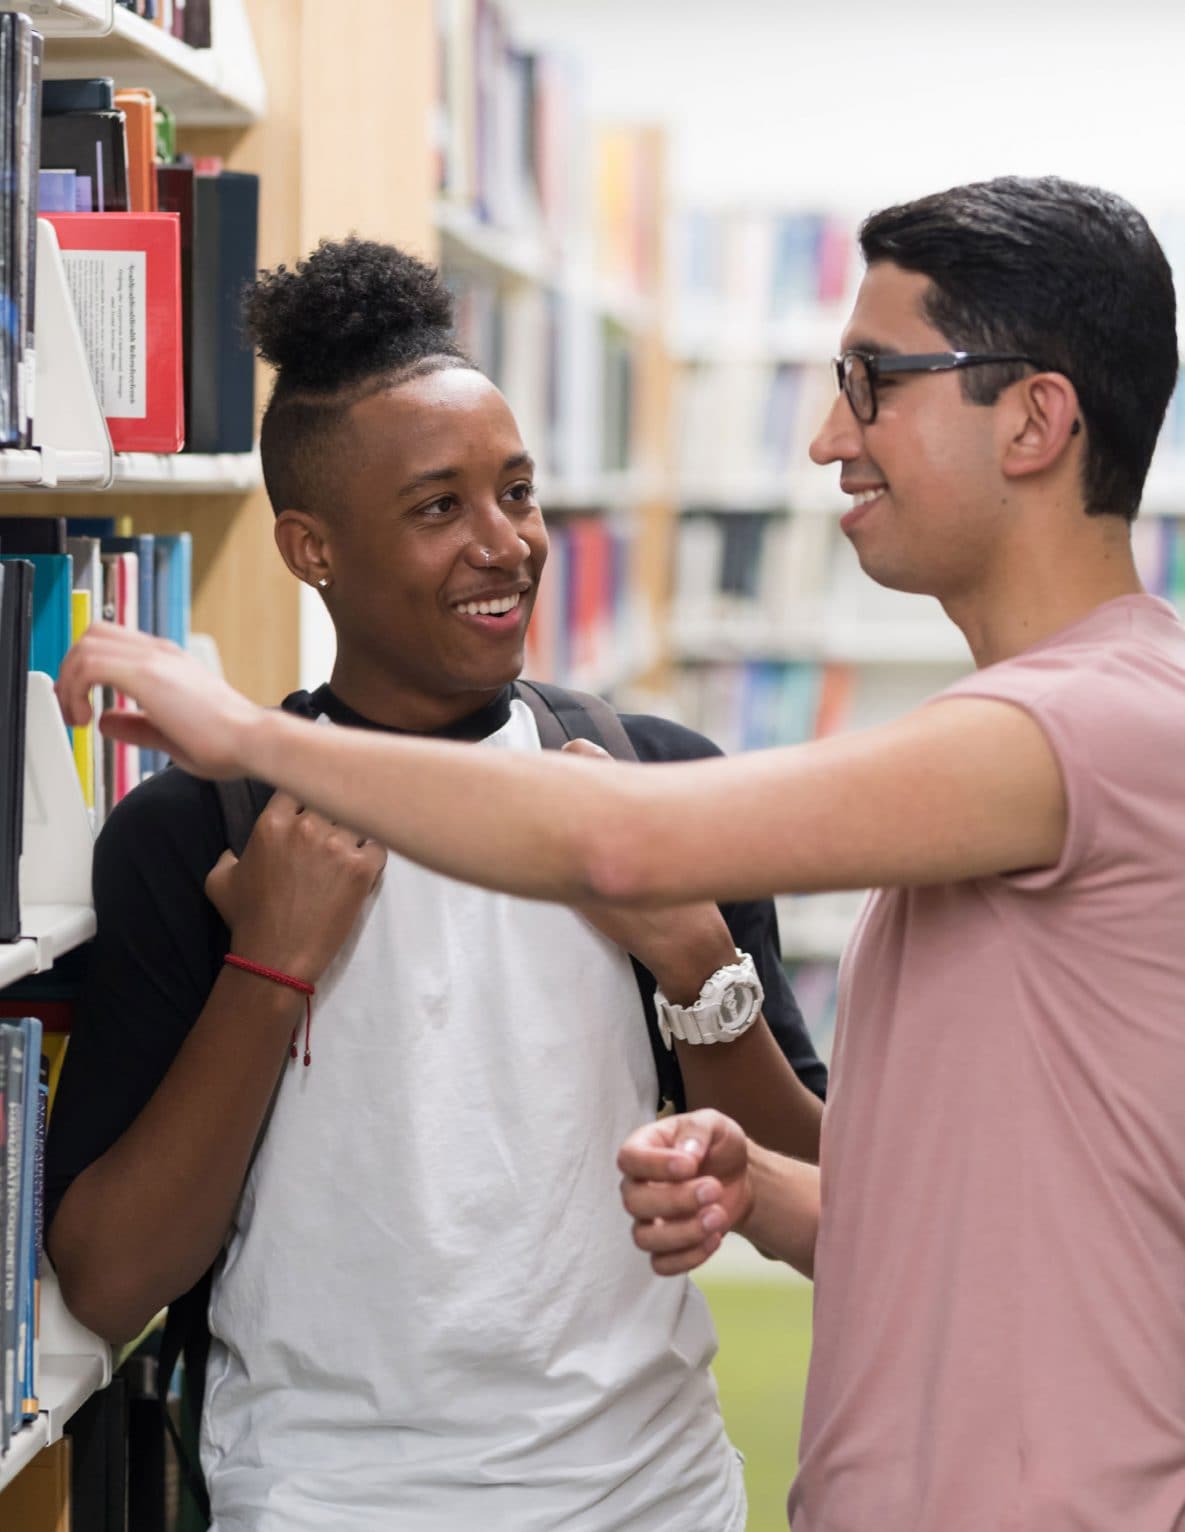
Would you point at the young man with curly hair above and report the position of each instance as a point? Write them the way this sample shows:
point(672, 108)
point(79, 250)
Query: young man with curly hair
point(997, 1227)
point(426, 1311)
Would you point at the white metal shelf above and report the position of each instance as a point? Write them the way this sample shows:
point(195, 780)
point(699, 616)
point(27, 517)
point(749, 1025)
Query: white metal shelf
point(68, 18)
point(522, 256)
point(804, 338)
point(847, 642)
point(222, 86)
point(49, 931)
point(187, 473)
point(73, 1363)
point(607, 491)
point(816, 927)
point(804, 490)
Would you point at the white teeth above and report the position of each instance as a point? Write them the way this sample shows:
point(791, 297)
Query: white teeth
point(495, 608)
point(863, 496)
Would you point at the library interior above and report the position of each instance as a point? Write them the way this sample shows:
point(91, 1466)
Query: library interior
point(644, 218)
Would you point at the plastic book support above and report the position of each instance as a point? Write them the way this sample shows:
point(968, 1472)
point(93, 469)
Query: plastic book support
point(56, 850)
point(68, 425)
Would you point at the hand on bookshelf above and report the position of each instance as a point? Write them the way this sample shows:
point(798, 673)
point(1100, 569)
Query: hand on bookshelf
point(292, 898)
point(685, 1183)
point(191, 715)
point(681, 944)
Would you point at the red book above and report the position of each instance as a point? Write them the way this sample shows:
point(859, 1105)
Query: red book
point(124, 271)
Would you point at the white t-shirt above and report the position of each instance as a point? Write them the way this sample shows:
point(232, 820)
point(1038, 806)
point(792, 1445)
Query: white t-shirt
point(431, 1315)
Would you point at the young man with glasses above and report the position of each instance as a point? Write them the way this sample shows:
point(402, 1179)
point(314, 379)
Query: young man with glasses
point(998, 1236)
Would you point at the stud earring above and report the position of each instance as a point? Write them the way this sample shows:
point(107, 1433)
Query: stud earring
point(322, 583)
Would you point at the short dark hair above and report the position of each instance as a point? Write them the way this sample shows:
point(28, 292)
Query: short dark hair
point(355, 317)
point(1067, 274)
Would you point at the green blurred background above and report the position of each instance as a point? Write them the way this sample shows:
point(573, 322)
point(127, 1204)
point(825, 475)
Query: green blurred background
point(763, 1316)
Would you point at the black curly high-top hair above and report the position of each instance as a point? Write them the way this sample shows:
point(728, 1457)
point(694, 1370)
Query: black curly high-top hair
point(355, 317)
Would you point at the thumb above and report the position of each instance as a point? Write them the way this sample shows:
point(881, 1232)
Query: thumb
point(585, 747)
point(216, 878)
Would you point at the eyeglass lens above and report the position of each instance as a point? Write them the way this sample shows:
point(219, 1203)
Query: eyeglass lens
point(857, 385)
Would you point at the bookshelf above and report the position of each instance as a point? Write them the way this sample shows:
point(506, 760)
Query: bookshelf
point(291, 97)
point(555, 256)
point(56, 916)
point(222, 86)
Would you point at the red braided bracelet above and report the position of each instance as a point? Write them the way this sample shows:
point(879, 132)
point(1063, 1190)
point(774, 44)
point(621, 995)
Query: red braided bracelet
point(274, 974)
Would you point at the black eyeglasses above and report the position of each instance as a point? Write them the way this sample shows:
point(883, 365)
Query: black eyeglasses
point(856, 372)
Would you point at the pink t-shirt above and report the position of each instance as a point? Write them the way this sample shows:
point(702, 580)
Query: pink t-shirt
point(1000, 1274)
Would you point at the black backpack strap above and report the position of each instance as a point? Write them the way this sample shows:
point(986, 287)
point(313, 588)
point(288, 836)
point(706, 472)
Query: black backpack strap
point(240, 808)
point(187, 1332)
point(561, 715)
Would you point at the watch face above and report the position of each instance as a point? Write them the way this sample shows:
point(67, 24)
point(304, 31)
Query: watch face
point(739, 1003)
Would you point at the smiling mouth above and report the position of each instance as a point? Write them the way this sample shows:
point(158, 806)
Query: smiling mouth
point(497, 606)
point(867, 496)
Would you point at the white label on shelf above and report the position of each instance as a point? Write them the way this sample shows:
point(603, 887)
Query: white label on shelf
point(107, 287)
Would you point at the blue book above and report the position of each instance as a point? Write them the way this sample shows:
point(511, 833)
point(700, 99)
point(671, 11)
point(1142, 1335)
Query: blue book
point(57, 192)
point(26, 1401)
point(174, 584)
point(53, 580)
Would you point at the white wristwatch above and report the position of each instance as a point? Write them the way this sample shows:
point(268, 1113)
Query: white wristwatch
point(728, 1005)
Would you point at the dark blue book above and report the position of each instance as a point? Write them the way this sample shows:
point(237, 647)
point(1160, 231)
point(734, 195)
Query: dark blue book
point(16, 624)
point(94, 94)
point(225, 241)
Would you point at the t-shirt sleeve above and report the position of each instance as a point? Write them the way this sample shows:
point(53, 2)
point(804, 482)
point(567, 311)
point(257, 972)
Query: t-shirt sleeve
point(753, 923)
point(149, 968)
point(1110, 748)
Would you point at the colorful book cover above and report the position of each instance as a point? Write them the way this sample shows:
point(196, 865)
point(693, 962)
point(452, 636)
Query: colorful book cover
point(124, 272)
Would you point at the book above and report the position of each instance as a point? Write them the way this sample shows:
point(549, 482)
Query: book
point(138, 106)
point(174, 188)
point(28, 159)
point(173, 554)
point(32, 534)
point(225, 241)
point(16, 623)
point(141, 548)
point(52, 583)
point(124, 276)
point(92, 144)
point(27, 1254)
point(121, 761)
point(57, 191)
point(18, 194)
point(6, 1201)
point(84, 734)
point(12, 1044)
point(93, 94)
point(87, 607)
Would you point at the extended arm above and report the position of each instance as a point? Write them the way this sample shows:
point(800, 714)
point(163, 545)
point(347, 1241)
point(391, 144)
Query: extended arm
point(963, 789)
